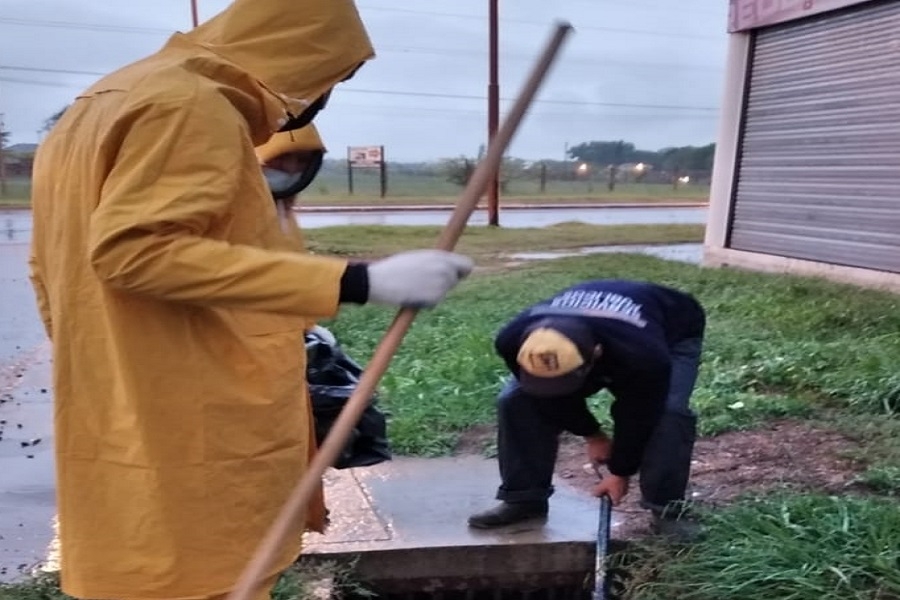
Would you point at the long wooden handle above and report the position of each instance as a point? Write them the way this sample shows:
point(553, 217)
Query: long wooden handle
point(261, 562)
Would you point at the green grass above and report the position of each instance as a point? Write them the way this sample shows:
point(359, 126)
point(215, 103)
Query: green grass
point(15, 193)
point(776, 346)
point(297, 583)
point(40, 587)
point(787, 547)
point(330, 189)
point(877, 448)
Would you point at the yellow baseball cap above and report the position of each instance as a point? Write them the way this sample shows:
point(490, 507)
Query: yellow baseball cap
point(307, 145)
point(555, 357)
point(305, 139)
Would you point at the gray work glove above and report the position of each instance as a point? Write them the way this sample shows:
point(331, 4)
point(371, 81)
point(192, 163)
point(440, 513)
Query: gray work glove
point(416, 279)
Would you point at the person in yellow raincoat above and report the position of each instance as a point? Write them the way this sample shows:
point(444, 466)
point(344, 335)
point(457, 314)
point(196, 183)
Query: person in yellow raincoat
point(176, 302)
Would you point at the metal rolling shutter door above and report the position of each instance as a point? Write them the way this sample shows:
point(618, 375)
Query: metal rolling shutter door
point(818, 176)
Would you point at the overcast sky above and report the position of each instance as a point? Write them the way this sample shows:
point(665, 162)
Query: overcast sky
point(646, 71)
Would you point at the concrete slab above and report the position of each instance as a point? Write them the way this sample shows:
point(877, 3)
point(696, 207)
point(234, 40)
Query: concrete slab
point(404, 525)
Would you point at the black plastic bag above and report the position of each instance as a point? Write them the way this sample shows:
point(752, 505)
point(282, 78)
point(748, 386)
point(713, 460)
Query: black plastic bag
point(332, 377)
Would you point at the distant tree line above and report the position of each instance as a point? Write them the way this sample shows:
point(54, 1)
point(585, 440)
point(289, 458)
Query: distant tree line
point(614, 161)
point(681, 158)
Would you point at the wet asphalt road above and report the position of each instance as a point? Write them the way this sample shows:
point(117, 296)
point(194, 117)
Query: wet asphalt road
point(16, 225)
point(27, 502)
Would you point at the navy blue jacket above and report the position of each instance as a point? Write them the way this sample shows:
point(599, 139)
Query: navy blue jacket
point(636, 323)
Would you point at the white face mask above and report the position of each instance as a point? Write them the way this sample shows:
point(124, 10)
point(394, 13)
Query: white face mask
point(285, 184)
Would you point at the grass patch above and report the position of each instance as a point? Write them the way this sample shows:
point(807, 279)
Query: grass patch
point(878, 448)
point(330, 187)
point(15, 193)
point(486, 242)
point(11, 202)
point(40, 587)
point(788, 547)
point(776, 346)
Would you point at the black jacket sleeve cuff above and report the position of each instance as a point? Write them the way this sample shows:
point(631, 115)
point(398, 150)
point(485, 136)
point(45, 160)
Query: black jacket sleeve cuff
point(355, 284)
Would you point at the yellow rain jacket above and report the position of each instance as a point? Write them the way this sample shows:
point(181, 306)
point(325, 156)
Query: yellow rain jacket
point(176, 304)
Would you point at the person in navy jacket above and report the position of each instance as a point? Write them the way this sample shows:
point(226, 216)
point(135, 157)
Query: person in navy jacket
point(640, 341)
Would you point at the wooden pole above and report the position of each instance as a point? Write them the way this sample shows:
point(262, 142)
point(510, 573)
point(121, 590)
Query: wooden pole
point(194, 18)
point(261, 563)
point(493, 107)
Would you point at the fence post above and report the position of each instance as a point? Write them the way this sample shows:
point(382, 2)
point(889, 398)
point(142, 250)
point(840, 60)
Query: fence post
point(349, 173)
point(383, 166)
point(2, 159)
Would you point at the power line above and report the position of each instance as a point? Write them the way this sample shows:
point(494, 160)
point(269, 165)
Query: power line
point(35, 82)
point(354, 90)
point(85, 26)
point(381, 48)
point(505, 56)
point(388, 48)
point(674, 6)
point(563, 102)
point(158, 31)
point(402, 111)
point(541, 23)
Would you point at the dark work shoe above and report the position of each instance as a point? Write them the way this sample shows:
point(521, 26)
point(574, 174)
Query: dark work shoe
point(508, 513)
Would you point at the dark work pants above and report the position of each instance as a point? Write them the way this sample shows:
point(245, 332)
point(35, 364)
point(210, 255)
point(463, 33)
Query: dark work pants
point(527, 442)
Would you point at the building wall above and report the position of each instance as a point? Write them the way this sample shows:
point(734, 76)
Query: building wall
point(744, 15)
point(723, 188)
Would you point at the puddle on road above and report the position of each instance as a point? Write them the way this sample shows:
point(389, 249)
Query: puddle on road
point(14, 231)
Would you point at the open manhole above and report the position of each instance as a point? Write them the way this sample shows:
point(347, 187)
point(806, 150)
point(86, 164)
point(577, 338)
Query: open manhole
point(556, 571)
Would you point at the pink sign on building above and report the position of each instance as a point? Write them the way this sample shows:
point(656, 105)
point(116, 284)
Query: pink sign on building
point(750, 14)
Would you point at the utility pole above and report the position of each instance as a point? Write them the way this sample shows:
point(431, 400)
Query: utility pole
point(194, 12)
point(493, 110)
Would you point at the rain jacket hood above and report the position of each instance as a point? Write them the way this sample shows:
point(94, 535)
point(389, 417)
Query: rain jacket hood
point(274, 58)
point(299, 49)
